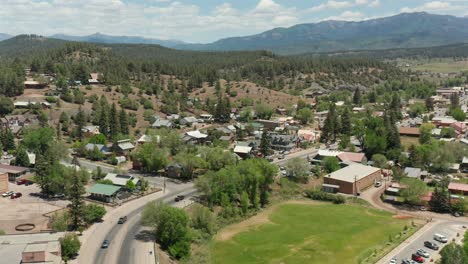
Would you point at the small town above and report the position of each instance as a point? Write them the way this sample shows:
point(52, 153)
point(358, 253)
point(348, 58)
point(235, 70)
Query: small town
point(335, 147)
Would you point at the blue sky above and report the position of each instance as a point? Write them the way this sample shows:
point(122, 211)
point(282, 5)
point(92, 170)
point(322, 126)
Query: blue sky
point(197, 20)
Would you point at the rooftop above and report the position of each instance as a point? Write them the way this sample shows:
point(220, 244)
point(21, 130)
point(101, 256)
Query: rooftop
point(119, 179)
point(103, 189)
point(353, 172)
point(454, 186)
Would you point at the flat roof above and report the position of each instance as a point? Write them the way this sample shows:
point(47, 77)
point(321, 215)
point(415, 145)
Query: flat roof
point(12, 169)
point(458, 186)
point(353, 172)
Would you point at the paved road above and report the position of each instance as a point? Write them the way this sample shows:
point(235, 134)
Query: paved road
point(121, 249)
point(300, 154)
point(408, 247)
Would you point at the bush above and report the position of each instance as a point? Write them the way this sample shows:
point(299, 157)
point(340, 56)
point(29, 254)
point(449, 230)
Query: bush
point(51, 99)
point(93, 213)
point(70, 246)
point(324, 196)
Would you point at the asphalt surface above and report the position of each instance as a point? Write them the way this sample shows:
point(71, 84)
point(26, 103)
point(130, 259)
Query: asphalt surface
point(126, 251)
point(448, 229)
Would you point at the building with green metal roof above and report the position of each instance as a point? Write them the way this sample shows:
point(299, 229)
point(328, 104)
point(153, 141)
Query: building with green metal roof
point(103, 192)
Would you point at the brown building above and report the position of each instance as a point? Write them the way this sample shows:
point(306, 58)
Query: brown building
point(409, 131)
point(351, 179)
point(3, 182)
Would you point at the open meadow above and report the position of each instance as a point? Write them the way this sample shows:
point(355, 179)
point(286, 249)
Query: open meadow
point(311, 233)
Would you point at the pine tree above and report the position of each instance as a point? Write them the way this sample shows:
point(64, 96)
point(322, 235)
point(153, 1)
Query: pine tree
point(8, 140)
point(114, 124)
point(124, 122)
point(346, 122)
point(330, 126)
point(22, 158)
point(80, 121)
point(76, 197)
point(357, 97)
point(265, 143)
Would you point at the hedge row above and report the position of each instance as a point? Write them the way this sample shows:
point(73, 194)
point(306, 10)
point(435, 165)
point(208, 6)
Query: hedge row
point(324, 196)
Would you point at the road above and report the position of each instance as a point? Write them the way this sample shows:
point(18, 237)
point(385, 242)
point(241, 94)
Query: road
point(120, 235)
point(449, 229)
point(300, 154)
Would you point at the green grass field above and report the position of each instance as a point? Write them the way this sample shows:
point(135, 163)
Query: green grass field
point(313, 233)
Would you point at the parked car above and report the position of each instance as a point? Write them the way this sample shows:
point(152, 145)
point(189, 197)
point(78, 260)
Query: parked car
point(281, 156)
point(122, 220)
point(417, 258)
point(179, 198)
point(393, 261)
point(423, 208)
point(431, 245)
point(423, 253)
point(405, 261)
point(378, 184)
point(7, 194)
point(440, 238)
point(21, 181)
point(59, 196)
point(16, 195)
point(105, 243)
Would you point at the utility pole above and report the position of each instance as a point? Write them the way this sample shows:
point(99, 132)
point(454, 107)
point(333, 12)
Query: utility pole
point(164, 191)
point(355, 185)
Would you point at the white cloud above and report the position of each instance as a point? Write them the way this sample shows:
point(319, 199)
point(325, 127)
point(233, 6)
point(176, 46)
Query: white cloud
point(267, 6)
point(374, 3)
point(347, 16)
point(332, 5)
point(434, 6)
point(361, 2)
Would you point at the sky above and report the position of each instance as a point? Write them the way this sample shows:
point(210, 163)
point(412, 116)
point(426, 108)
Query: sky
point(196, 21)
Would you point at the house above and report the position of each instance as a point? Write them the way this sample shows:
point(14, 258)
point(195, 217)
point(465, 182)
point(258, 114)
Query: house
point(339, 103)
point(94, 78)
point(228, 139)
point(173, 170)
point(413, 172)
point(206, 118)
point(16, 123)
point(459, 127)
point(189, 120)
point(160, 123)
point(14, 172)
point(357, 109)
point(125, 146)
point(308, 135)
point(195, 137)
point(458, 188)
point(103, 192)
point(447, 93)
point(443, 121)
point(121, 180)
point(409, 131)
point(464, 164)
point(146, 138)
point(31, 84)
point(284, 142)
point(243, 151)
point(352, 179)
point(90, 131)
point(352, 157)
point(100, 147)
point(269, 124)
point(39, 248)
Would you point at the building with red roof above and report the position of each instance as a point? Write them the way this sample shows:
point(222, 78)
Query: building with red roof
point(458, 188)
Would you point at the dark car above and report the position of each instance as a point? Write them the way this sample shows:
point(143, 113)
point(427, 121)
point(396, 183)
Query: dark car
point(21, 181)
point(16, 195)
point(431, 245)
point(417, 258)
point(179, 198)
point(405, 261)
point(105, 244)
point(122, 220)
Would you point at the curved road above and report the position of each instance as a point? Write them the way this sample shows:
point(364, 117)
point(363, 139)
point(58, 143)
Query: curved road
point(122, 236)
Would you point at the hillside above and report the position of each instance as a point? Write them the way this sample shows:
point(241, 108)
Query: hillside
point(107, 39)
point(407, 30)
point(27, 45)
point(4, 36)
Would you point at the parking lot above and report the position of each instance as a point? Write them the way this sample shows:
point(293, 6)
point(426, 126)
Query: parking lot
point(449, 230)
point(29, 208)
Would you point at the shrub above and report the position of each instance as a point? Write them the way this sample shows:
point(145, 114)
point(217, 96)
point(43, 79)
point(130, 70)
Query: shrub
point(324, 196)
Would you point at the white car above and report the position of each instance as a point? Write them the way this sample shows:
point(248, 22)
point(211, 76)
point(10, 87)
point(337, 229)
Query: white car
point(393, 261)
point(423, 253)
point(7, 194)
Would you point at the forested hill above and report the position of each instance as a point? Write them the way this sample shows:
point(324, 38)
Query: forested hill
point(143, 64)
point(407, 30)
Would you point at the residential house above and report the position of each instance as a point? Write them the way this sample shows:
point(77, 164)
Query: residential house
point(195, 137)
point(443, 121)
point(206, 118)
point(162, 123)
point(94, 78)
point(121, 180)
point(308, 135)
point(189, 120)
point(352, 157)
point(284, 142)
point(124, 147)
point(458, 188)
point(39, 248)
point(460, 127)
point(409, 131)
point(413, 172)
point(146, 139)
point(90, 131)
point(31, 84)
point(103, 192)
point(3, 182)
point(174, 170)
point(102, 148)
point(243, 151)
point(14, 172)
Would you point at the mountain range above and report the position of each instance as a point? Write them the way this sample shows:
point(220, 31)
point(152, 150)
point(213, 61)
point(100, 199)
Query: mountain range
point(107, 39)
point(4, 36)
point(406, 30)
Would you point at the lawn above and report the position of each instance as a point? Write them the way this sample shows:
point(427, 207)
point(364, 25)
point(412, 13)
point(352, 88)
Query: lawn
point(313, 233)
point(408, 141)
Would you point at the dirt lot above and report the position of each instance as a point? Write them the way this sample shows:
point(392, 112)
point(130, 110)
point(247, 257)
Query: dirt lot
point(26, 209)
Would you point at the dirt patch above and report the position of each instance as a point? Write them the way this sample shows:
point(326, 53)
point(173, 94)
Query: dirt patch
point(255, 221)
point(402, 217)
